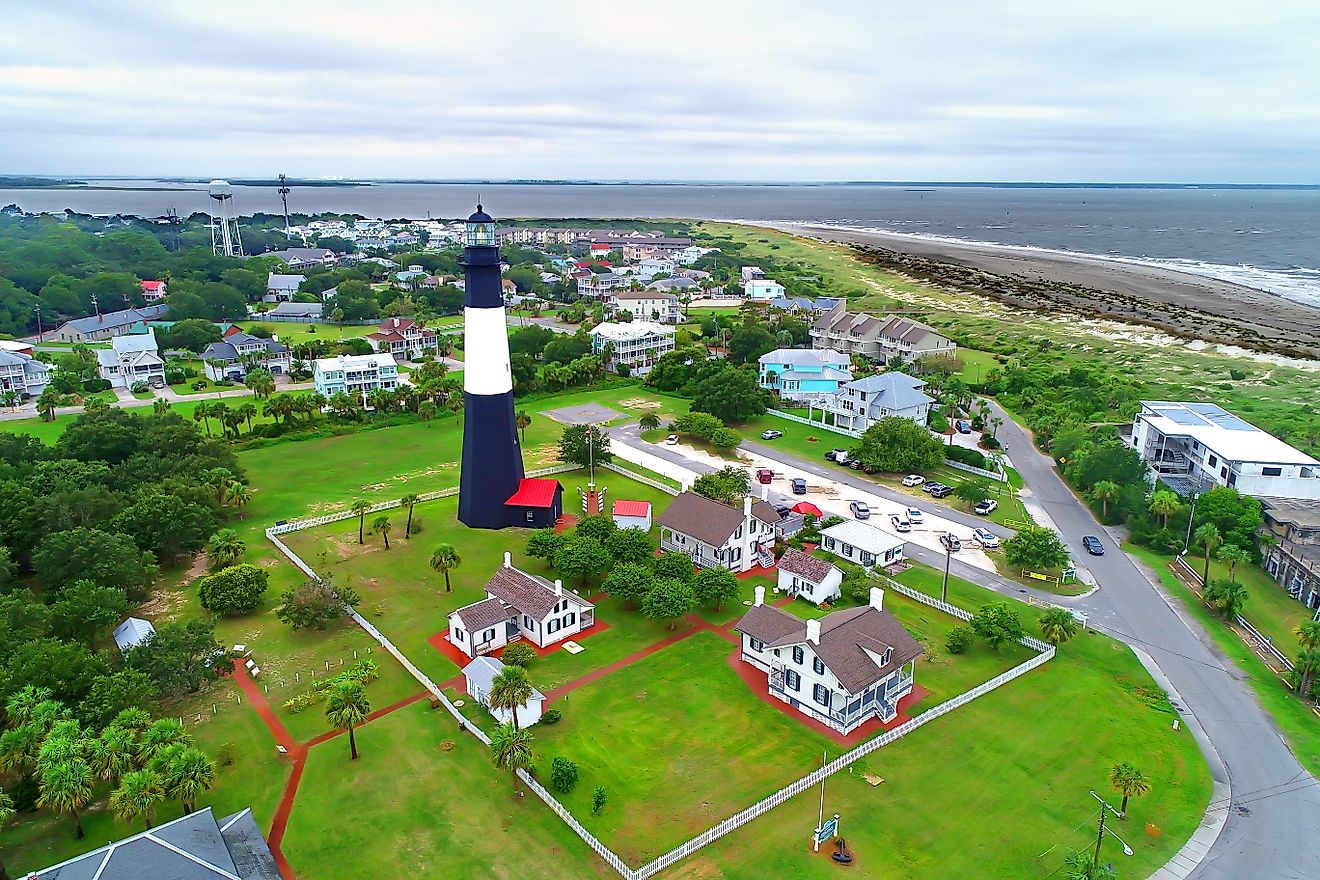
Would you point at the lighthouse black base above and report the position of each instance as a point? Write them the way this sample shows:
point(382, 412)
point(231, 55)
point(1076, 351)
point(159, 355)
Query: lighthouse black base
point(492, 461)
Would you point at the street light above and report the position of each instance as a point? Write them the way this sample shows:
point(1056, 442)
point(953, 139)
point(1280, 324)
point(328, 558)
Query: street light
point(1100, 836)
point(1191, 518)
point(948, 558)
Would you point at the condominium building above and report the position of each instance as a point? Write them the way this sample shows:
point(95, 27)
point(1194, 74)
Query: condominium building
point(638, 344)
point(357, 374)
point(880, 339)
point(648, 305)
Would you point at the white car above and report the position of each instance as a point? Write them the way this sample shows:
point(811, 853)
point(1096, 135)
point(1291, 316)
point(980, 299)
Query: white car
point(913, 515)
point(900, 524)
point(985, 538)
point(671, 440)
point(913, 480)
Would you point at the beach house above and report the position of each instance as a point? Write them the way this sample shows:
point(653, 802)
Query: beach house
point(804, 374)
point(862, 402)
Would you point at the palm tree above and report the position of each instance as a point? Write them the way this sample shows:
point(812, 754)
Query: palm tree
point(1207, 536)
point(510, 690)
point(219, 479)
point(381, 526)
point(1164, 504)
point(21, 704)
point(18, 747)
point(455, 406)
point(202, 414)
point(523, 420)
point(1308, 636)
point(1080, 865)
point(114, 753)
point(511, 748)
point(1231, 555)
point(1105, 491)
point(408, 501)
point(1057, 625)
point(225, 548)
point(47, 402)
point(445, 559)
point(346, 707)
point(426, 411)
point(1128, 781)
point(160, 406)
point(189, 774)
point(160, 736)
point(649, 422)
point(6, 813)
point(137, 797)
point(66, 788)
point(247, 411)
point(240, 496)
point(360, 507)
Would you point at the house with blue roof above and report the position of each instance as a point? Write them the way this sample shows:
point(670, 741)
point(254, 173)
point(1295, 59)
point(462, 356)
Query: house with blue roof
point(804, 374)
point(863, 402)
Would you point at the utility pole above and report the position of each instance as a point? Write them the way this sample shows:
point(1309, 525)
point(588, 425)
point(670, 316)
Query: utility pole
point(948, 558)
point(284, 197)
point(1100, 835)
point(39, 331)
point(96, 306)
point(820, 821)
point(1191, 518)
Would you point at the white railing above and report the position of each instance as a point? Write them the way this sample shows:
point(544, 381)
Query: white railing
point(980, 472)
point(1046, 653)
point(780, 414)
point(654, 484)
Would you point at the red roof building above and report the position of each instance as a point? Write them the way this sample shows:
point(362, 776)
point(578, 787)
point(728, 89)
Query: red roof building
point(632, 514)
point(537, 504)
point(152, 291)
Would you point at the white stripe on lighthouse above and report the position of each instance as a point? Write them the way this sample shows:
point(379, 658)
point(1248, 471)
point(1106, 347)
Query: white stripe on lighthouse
point(486, 352)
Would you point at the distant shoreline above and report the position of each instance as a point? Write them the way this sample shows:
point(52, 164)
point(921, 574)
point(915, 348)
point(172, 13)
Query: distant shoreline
point(1180, 303)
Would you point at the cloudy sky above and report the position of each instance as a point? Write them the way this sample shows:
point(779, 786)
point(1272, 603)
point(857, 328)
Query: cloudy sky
point(880, 90)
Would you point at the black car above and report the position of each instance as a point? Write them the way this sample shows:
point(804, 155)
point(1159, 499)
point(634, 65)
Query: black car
point(1093, 545)
point(964, 426)
point(783, 510)
point(799, 486)
point(855, 464)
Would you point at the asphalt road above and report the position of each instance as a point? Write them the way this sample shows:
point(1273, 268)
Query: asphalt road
point(1272, 830)
point(1273, 827)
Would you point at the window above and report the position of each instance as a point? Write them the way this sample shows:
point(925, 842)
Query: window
point(778, 652)
point(531, 517)
point(1214, 460)
point(855, 706)
point(460, 635)
point(793, 680)
point(817, 665)
point(884, 660)
point(798, 655)
point(829, 543)
point(488, 635)
point(847, 550)
point(527, 622)
point(1271, 472)
point(821, 694)
point(570, 618)
point(552, 627)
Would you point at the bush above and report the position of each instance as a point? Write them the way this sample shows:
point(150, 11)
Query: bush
point(959, 639)
point(417, 526)
point(139, 387)
point(297, 704)
point(234, 590)
point(937, 423)
point(552, 716)
point(1237, 375)
point(725, 438)
point(224, 756)
point(563, 774)
point(92, 386)
point(990, 441)
point(518, 654)
point(963, 455)
point(598, 799)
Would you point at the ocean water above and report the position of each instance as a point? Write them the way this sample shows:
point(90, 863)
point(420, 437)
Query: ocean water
point(1267, 238)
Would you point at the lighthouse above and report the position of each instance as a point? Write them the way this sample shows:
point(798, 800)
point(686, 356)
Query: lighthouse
point(492, 467)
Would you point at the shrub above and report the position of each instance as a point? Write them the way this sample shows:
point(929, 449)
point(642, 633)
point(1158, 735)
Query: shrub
point(563, 774)
point(1237, 375)
point(831, 520)
point(299, 703)
point(959, 639)
point(552, 716)
point(234, 590)
point(417, 526)
point(518, 654)
point(725, 438)
point(990, 441)
point(140, 387)
point(963, 455)
point(224, 756)
point(92, 386)
point(938, 423)
point(598, 799)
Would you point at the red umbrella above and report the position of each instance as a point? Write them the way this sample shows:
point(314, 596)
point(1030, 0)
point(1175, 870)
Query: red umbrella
point(805, 507)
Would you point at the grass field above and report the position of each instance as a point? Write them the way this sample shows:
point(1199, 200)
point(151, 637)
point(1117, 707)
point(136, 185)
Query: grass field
point(295, 333)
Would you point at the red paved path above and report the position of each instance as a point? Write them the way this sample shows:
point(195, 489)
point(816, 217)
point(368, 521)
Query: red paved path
point(440, 641)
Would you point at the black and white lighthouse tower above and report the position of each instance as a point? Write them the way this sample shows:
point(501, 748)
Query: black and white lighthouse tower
point(492, 466)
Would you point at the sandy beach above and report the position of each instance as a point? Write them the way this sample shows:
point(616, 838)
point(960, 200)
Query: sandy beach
point(1183, 304)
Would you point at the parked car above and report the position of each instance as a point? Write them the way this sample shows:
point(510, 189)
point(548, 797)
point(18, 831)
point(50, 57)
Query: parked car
point(913, 515)
point(860, 510)
point(985, 507)
point(1093, 545)
point(900, 524)
point(941, 491)
point(799, 486)
point(930, 485)
point(855, 464)
point(783, 510)
point(839, 456)
point(913, 480)
point(672, 440)
point(985, 538)
point(949, 541)
point(964, 426)
point(764, 476)
point(771, 434)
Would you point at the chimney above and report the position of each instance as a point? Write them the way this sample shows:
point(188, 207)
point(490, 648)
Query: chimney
point(508, 560)
point(765, 493)
point(877, 598)
point(760, 596)
point(559, 587)
point(813, 631)
point(747, 506)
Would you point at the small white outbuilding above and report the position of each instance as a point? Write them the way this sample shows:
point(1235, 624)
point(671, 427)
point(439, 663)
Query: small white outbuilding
point(481, 673)
point(133, 632)
point(632, 514)
point(803, 576)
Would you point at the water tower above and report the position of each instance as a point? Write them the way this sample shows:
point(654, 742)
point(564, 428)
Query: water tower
point(225, 240)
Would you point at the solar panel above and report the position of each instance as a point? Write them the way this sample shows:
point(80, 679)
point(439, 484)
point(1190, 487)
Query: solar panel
point(1182, 417)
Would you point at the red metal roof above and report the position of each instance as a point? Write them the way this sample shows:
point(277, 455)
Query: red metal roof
point(152, 285)
point(533, 493)
point(624, 507)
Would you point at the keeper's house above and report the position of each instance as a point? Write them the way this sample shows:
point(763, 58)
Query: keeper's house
point(842, 669)
point(803, 576)
point(714, 534)
point(519, 606)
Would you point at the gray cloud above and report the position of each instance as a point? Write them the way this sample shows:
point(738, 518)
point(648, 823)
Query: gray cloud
point(1006, 89)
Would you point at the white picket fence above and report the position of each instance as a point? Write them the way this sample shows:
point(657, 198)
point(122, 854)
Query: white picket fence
point(780, 414)
point(647, 481)
point(1046, 653)
point(980, 472)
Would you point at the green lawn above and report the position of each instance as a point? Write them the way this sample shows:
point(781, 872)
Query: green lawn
point(1268, 608)
point(1299, 724)
point(409, 808)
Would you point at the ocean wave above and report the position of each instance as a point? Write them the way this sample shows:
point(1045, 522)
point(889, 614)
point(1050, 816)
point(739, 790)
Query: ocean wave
point(1300, 284)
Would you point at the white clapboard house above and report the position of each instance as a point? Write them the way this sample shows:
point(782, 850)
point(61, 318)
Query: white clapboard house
point(519, 606)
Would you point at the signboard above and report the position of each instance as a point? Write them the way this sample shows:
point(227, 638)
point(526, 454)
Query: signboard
point(827, 830)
